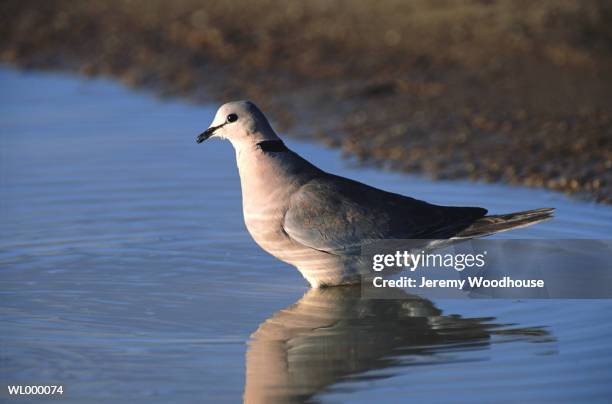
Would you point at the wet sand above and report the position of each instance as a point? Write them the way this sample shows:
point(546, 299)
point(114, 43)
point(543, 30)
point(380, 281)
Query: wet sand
point(500, 91)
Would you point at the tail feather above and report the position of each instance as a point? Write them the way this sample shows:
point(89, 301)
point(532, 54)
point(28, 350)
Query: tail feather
point(497, 223)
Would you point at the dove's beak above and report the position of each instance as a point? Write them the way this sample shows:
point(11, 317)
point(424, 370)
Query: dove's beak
point(207, 133)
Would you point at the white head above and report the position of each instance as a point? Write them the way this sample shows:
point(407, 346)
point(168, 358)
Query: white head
point(242, 123)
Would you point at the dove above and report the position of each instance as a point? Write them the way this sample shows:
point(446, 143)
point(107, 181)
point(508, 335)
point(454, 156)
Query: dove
point(319, 222)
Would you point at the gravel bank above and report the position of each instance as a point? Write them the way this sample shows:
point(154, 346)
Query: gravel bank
point(501, 90)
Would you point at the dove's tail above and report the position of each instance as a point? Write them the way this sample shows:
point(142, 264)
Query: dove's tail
point(497, 223)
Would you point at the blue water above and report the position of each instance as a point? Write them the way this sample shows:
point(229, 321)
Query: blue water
point(126, 274)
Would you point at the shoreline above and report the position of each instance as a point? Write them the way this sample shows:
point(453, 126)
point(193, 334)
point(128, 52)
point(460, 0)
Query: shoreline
point(526, 117)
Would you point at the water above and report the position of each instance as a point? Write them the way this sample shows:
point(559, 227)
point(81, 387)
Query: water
point(127, 273)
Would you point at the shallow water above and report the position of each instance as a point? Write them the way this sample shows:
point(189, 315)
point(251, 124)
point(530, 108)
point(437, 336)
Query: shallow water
point(127, 273)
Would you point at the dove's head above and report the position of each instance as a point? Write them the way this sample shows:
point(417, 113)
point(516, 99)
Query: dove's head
point(240, 122)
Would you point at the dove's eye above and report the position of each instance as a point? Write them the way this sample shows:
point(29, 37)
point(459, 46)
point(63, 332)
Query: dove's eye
point(232, 118)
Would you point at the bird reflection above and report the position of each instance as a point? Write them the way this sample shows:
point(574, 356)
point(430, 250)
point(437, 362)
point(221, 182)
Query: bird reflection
point(334, 334)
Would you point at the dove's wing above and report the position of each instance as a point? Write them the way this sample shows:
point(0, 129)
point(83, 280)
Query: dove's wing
point(337, 215)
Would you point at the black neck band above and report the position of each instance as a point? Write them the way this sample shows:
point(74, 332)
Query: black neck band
point(272, 146)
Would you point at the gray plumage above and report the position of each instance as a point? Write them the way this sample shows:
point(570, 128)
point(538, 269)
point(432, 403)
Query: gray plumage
point(319, 222)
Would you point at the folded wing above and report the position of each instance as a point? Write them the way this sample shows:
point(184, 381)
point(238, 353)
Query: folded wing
point(337, 215)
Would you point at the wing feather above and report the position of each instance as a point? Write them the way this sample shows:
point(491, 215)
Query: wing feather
point(337, 215)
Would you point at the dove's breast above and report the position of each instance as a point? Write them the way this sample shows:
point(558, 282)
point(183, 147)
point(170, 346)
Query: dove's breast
point(268, 182)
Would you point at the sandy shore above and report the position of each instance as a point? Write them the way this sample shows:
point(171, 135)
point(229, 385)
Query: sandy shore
point(502, 90)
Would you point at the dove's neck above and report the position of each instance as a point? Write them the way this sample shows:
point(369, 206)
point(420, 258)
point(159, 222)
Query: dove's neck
point(269, 174)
